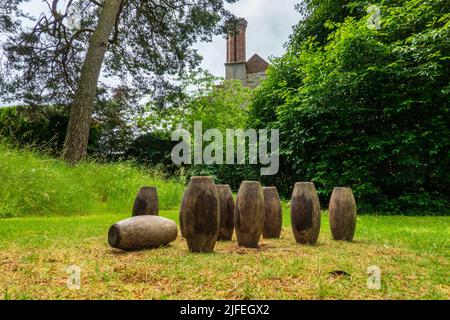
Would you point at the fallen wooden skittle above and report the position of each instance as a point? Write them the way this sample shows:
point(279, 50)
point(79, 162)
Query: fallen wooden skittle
point(273, 219)
point(146, 202)
point(342, 214)
point(305, 213)
point(142, 232)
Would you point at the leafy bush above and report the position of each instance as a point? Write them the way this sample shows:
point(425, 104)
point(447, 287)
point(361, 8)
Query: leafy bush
point(33, 184)
point(152, 151)
point(41, 127)
point(44, 128)
point(232, 175)
point(368, 109)
point(221, 107)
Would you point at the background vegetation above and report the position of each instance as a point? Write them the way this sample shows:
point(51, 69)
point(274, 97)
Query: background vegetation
point(357, 105)
point(365, 107)
point(32, 184)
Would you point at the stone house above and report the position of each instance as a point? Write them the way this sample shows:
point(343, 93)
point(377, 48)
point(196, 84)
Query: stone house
point(250, 72)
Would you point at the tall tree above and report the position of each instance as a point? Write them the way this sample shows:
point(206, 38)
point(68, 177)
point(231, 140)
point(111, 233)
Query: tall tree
point(77, 136)
point(144, 43)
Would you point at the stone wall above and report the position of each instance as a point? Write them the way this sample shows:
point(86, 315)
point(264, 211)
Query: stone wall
point(254, 79)
point(236, 71)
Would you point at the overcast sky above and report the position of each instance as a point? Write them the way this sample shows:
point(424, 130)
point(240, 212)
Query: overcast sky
point(270, 23)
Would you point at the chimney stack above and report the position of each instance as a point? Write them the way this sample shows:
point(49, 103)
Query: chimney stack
point(250, 73)
point(236, 43)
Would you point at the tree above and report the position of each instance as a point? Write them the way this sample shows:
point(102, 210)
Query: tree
point(368, 108)
point(316, 13)
point(219, 107)
point(77, 136)
point(147, 42)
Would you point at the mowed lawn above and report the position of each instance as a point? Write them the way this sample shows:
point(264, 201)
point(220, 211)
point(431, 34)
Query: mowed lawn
point(412, 253)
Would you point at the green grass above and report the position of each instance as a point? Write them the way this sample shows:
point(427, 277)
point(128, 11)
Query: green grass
point(38, 185)
point(412, 252)
point(56, 216)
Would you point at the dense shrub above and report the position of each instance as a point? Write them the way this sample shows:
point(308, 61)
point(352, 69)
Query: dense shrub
point(153, 151)
point(44, 128)
point(40, 127)
point(368, 109)
point(221, 107)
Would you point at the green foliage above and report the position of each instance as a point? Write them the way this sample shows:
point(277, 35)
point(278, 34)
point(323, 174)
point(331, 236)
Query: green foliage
point(152, 150)
point(152, 41)
point(40, 127)
point(368, 109)
point(318, 13)
point(7, 10)
point(44, 127)
point(38, 185)
point(232, 175)
point(112, 128)
point(220, 107)
point(217, 106)
point(413, 253)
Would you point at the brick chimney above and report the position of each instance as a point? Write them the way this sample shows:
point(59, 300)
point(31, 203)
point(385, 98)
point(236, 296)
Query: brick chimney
point(236, 44)
point(250, 72)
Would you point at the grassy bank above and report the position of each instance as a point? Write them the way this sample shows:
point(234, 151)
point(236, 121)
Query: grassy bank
point(412, 253)
point(32, 184)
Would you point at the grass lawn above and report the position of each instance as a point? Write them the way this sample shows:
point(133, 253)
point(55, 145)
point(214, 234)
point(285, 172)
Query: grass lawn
point(412, 252)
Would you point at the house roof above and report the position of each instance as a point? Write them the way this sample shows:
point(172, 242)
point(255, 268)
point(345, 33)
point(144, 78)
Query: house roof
point(256, 64)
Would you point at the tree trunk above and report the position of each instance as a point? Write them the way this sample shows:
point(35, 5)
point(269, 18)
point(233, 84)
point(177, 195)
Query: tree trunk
point(77, 136)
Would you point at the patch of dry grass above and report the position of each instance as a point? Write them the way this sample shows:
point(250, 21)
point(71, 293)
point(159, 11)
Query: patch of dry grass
point(33, 266)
